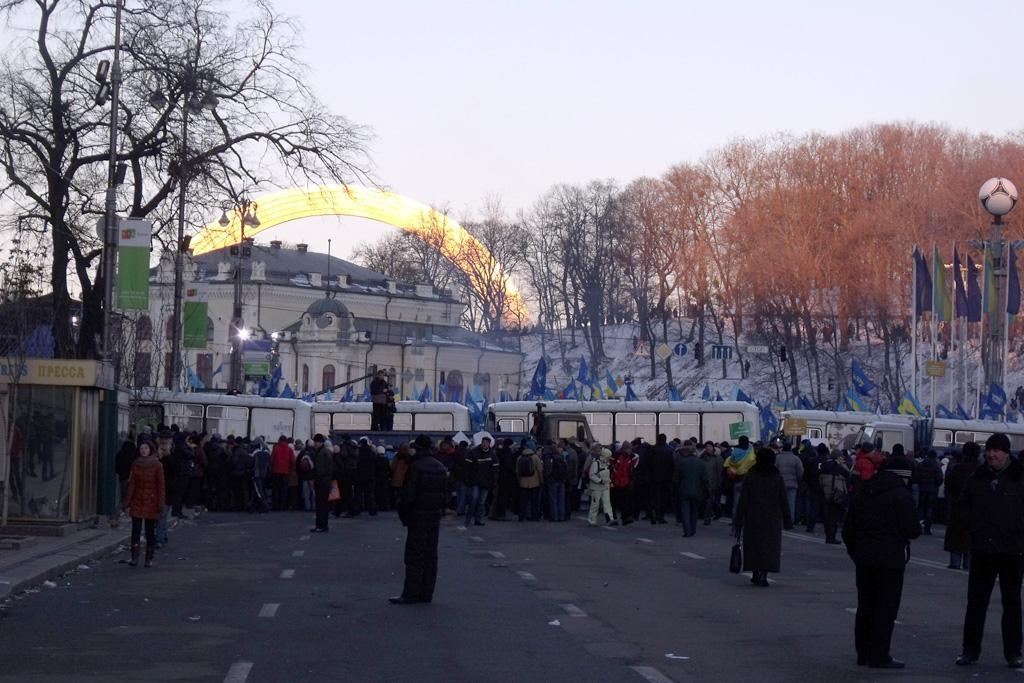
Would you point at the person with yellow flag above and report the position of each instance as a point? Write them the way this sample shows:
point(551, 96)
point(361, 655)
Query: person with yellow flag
point(737, 465)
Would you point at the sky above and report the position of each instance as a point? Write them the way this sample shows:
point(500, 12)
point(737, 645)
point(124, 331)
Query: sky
point(470, 100)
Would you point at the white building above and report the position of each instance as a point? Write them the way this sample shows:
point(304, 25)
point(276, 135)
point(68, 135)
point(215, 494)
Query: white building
point(331, 319)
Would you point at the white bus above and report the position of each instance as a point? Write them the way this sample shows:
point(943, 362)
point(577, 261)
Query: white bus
point(411, 416)
point(946, 434)
point(837, 429)
point(242, 415)
point(618, 420)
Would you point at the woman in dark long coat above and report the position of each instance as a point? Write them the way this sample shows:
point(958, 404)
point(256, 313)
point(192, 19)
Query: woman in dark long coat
point(958, 540)
point(762, 513)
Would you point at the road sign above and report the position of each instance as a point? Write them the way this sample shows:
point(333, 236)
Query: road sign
point(679, 349)
point(663, 351)
point(794, 426)
point(756, 348)
point(738, 429)
point(721, 352)
point(935, 368)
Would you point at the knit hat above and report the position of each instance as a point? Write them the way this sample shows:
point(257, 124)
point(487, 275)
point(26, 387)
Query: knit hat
point(899, 465)
point(423, 441)
point(998, 442)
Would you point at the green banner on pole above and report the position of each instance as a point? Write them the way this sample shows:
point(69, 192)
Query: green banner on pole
point(738, 429)
point(195, 315)
point(133, 264)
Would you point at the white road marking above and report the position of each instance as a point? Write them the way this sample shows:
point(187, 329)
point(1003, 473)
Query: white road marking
point(610, 528)
point(461, 528)
point(288, 574)
point(573, 610)
point(645, 540)
point(932, 564)
point(495, 554)
point(802, 537)
point(476, 539)
point(238, 673)
point(298, 553)
point(650, 674)
point(526, 576)
point(269, 609)
point(675, 656)
point(304, 538)
point(694, 556)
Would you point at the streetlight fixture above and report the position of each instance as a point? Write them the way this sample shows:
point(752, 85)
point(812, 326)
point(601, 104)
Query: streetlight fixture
point(196, 88)
point(998, 196)
point(245, 209)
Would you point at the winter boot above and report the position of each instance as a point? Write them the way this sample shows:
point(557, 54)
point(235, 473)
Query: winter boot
point(134, 562)
point(150, 552)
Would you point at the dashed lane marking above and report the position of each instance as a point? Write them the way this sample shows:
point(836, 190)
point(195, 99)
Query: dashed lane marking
point(304, 538)
point(801, 537)
point(645, 540)
point(238, 673)
point(650, 674)
point(461, 528)
point(526, 576)
point(573, 610)
point(298, 553)
point(495, 554)
point(694, 556)
point(288, 574)
point(269, 609)
point(476, 539)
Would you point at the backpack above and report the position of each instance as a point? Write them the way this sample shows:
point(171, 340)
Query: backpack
point(525, 466)
point(559, 469)
point(305, 465)
point(621, 472)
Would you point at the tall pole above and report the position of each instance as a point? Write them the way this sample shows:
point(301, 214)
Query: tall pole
point(913, 328)
point(998, 318)
point(179, 256)
point(110, 208)
point(237, 380)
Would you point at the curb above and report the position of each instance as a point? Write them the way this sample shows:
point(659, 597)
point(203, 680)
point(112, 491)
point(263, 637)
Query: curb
point(60, 568)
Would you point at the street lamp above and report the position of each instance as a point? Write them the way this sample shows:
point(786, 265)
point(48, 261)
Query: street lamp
point(998, 196)
point(197, 95)
point(246, 211)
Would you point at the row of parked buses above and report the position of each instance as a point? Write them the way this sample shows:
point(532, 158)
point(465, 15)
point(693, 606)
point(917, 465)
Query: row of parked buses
point(847, 429)
point(602, 421)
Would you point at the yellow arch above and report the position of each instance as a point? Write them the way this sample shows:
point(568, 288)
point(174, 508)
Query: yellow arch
point(450, 238)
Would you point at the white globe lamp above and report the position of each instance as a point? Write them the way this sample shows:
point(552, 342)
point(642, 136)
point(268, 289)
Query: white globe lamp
point(998, 196)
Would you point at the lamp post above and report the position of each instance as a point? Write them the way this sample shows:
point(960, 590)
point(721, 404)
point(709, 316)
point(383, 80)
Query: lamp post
point(998, 196)
point(246, 211)
point(196, 96)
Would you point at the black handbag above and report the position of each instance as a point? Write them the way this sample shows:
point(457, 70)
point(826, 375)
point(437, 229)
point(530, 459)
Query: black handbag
point(736, 559)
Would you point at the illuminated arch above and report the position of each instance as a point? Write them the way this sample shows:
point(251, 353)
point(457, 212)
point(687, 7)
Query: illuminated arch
point(455, 243)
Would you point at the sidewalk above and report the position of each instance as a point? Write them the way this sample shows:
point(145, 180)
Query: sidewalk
point(45, 558)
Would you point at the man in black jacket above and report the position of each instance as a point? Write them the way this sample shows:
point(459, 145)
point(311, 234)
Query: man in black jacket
point(993, 505)
point(662, 466)
point(323, 475)
point(423, 499)
point(879, 526)
point(480, 468)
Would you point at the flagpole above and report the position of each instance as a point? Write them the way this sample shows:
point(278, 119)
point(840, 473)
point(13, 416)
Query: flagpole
point(951, 377)
point(936, 302)
point(1006, 322)
point(981, 334)
point(913, 317)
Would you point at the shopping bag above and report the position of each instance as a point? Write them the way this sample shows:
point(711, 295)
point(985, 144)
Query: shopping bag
point(335, 493)
point(736, 559)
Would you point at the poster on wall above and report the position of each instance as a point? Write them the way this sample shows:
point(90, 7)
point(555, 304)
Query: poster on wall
point(133, 247)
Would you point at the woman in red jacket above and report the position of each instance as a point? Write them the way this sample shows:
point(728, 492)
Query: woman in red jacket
point(282, 464)
point(145, 500)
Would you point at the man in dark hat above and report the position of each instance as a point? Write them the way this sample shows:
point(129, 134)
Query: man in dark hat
point(421, 503)
point(993, 505)
point(879, 526)
point(323, 476)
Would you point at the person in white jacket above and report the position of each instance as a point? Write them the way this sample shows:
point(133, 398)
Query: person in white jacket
point(600, 479)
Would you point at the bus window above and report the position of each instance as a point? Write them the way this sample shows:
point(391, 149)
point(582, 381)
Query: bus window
point(511, 424)
point(321, 423)
point(272, 423)
point(814, 432)
point(942, 438)
point(570, 429)
point(600, 427)
point(962, 437)
point(188, 416)
point(433, 422)
point(715, 426)
point(227, 420)
point(629, 426)
point(403, 422)
point(679, 425)
point(343, 422)
point(1016, 442)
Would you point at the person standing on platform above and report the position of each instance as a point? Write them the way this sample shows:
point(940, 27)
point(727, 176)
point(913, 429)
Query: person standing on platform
point(379, 399)
point(993, 503)
point(422, 502)
point(880, 523)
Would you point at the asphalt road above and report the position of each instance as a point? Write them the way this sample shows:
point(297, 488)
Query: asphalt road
point(239, 598)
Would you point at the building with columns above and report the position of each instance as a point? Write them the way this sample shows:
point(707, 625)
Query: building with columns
point(330, 320)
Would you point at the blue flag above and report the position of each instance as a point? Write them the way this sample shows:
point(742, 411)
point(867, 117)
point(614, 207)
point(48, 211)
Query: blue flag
point(673, 394)
point(287, 392)
point(630, 396)
point(861, 382)
point(973, 292)
point(1012, 284)
point(909, 406)
point(539, 383)
point(425, 396)
point(804, 403)
point(769, 423)
point(741, 396)
point(442, 392)
point(943, 412)
point(570, 390)
point(583, 376)
point(193, 379)
point(961, 414)
point(922, 284)
point(220, 368)
point(350, 394)
point(261, 387)
point(855, 402)
point(275, 379)
point(959, 290)
point(706, 394)
point(718, 396)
